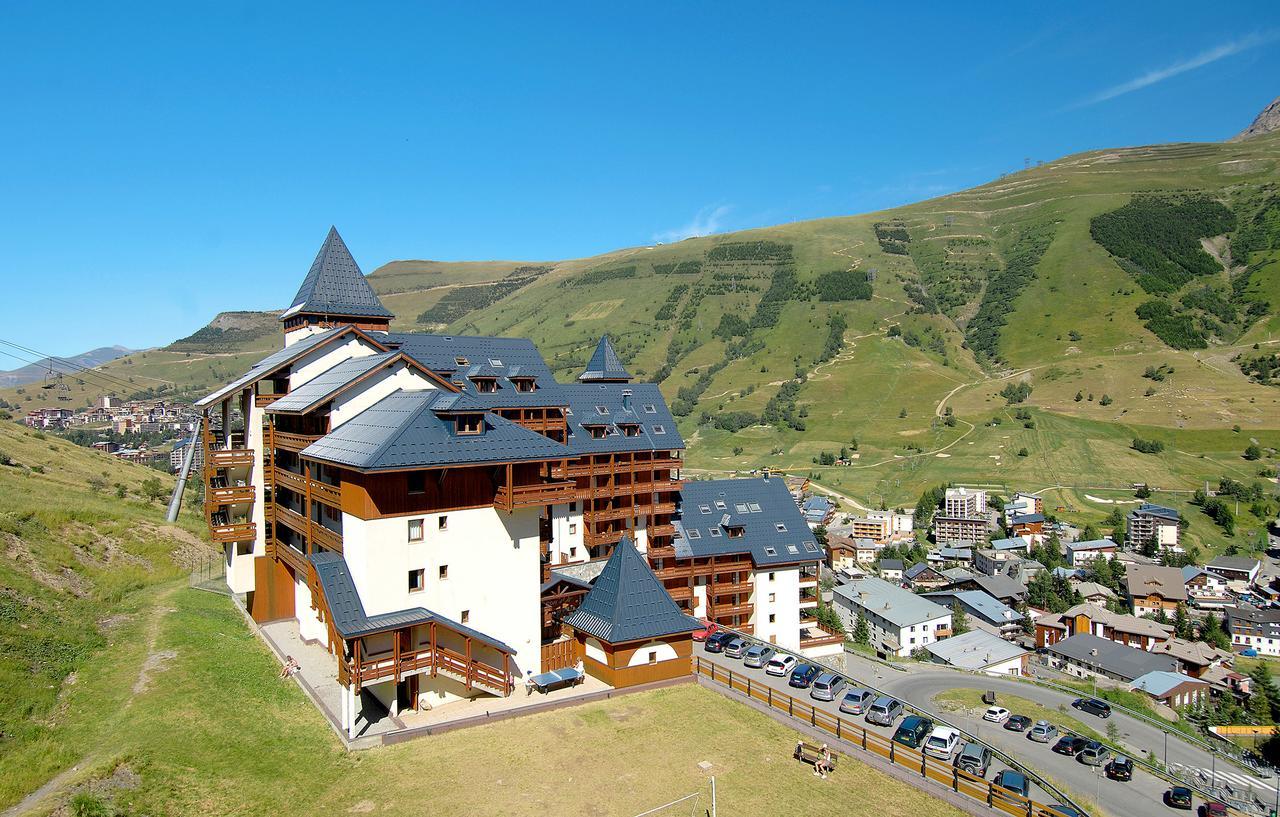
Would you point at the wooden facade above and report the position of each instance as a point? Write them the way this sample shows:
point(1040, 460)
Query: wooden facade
point(616, 670)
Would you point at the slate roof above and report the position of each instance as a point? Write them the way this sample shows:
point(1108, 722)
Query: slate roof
point(974, 650)
point(957, 574)
point(628, 603)
point(271, 363)
point(1091, 544)
point(1155, 510)
point(325, 385)
point(1121, 622)
point(955, 554)
point(639, 404)
point(1159, 683)
point(901, 607)
point(1000, 587)
point(1242, 564)
point(759, 506)
point(336, 286)
point(403, 430)
point(500, 358)
point(912, 573)
point(347, 611)
point(1143, 580)
point(604, 364)
point(1012, 543)
point(1088, 589)
point(1027, 519)
point(980, 604)
point(891, 564)
point(1114, 659)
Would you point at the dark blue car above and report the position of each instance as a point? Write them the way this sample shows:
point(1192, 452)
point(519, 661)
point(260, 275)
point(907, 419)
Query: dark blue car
point(716, 641)
point(803, 676)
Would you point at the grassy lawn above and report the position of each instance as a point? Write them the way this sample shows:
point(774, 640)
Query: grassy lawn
point(215, 731)
point(970, 700)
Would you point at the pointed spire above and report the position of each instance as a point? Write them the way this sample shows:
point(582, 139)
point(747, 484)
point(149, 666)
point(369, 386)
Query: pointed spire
point(628, 603)
point(605, 366)
point(336, 286)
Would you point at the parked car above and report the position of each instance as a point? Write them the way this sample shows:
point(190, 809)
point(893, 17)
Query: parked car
point(975, 759)
point(757, 655)
point(1043, 732)
point(1070, 745)
point(1094, 754)
point(716, 642)
point(942, 742)
point(885, 711)
point(780, 665)
point(803, 675)
point(996, 714)
point(1178, 797)
point(1215, 809)
point(1018, 723)
point(1067, 811)
point(1093, 706)
point(708, 629)
point(1015, 782)
point(913, 731)
point(735, 647)
point(1120, 768)
point(856, 701)
point(827, 687)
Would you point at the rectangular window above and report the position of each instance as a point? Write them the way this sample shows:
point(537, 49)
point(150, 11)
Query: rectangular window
point(659, 430)
point(470, 424)
point(573, 528)
point(573, 507)
point(415, 530)
point(773, 597)
point(772, 618)
point(771, 554)
point(573, 553)
point(442, 523)
point(417, 579)
point(444, 571)
point(653, 657)
point(466, 616)
point(417, 482)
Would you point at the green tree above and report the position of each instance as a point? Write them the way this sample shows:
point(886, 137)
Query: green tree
point(152, 489)
point(1090, 533)
point(1253, 452)
point(1211, 632)
point(959, 619)
point(97, 484)
point(1182, 622)
point(861, 632)
point(1264, 686)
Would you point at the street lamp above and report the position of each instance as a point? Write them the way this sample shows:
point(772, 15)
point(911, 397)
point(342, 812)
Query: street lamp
point(1094, 653)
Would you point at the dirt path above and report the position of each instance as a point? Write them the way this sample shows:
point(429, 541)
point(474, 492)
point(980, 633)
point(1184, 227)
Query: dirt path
point(153, 663)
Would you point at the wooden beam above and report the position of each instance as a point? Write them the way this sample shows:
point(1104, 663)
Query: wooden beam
point(468, 662)
point(433, 649)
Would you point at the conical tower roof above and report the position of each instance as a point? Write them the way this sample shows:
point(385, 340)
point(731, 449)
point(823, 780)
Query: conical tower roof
point(605, 365)
point(627, 603)
point(336, 286)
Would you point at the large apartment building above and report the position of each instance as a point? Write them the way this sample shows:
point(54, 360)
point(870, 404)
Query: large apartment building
point(1150, 522)
point(432, 508)
point(963, 518)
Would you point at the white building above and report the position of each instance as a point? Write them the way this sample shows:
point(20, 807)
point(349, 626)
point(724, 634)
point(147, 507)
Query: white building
point(900, 622)
point(964, 503)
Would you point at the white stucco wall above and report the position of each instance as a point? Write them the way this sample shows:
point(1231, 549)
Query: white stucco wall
point(314, 362)
point(309, 626)
point(360, 397)
point(665, 652)
point(595, 651)
point(778, 596)
point(493, 570)
point(566, 534)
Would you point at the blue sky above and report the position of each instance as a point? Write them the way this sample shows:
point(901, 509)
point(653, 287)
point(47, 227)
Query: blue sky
point(163, 163)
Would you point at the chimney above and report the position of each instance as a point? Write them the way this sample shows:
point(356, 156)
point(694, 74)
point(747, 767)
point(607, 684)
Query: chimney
point(626, 399)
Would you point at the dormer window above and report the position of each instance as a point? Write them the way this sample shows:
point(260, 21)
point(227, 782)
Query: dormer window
point(603, 410)
point(735, 531)
point(485, 385)
point(597, 432)
point(630, 429)
point(461, 361)
point(650, 408)
point(469, 423)
point(524, 384)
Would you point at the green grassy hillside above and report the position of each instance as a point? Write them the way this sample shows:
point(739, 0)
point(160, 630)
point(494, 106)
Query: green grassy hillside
point(85, 554)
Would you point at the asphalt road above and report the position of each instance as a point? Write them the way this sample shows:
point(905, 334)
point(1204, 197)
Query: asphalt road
point(1141, 797)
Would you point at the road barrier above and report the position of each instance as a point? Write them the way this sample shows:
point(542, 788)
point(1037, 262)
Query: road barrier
point(929, 768)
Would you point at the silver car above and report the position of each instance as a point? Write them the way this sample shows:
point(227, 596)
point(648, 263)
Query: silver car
point(757, 655)
point(735, 647)
point(857, 701)
point(1042, 732)
point(827, 687)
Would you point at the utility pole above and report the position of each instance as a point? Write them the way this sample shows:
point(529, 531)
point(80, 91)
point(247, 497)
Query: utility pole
point(713, 796)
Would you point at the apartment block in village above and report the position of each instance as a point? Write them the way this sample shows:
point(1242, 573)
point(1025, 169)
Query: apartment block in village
point(435, 510)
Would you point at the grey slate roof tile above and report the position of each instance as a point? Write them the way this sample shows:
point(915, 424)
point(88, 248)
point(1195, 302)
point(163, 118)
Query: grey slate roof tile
point(336, 286)
point(767, 504)
point(604, 364)
point(328, 383)
point(627, 603)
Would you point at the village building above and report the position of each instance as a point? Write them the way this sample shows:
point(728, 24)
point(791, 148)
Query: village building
point(1080, 554)
point(1152, 589)
point(1205, 590)
point(1156, 523)
point(1084, 656)
point(891, 570)
point(983, 612)
point(1194, 658)
point(845, 553)
point(980, 651)
point(923, 577)
point(1172, 689)
point(1021, 504)
point(1094, 593)
point(900, 622)
point(1132, 631)
point(1254, 629)
point(1030, 526)
point(1239, 572)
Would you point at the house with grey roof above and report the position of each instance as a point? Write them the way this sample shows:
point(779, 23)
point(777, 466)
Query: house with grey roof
point(980, 651)
point(1084, 656)
point(1238, 571)
point(1172, 689)
point(983, 611)
point(1080, 554)
point(900, 622)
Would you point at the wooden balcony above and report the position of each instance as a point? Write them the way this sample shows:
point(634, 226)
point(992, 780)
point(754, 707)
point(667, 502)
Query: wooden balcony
point(746, 608)
point(727, 588)
point(264, 400)
point(324, 537)
point(230, 496)
point(436, 659)
point(292, 519)
point(294, 442)
point(230, 458)
point(590, 468)
point(662, 530)
point(662, 552)
point(509, 498)
point(294, 482)
point(317, 533)
point(237, 532)
point(680, 593)
point(808, 580)
point(328, 494)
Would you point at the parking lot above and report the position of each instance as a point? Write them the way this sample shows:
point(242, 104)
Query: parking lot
point(1141, 796)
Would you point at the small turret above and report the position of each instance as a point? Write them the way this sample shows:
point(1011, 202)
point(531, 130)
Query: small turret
point(605, 366)
point(334, 293)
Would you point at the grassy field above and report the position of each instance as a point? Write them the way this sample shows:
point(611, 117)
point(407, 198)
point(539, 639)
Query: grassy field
point(215, 731)
point(970, 700)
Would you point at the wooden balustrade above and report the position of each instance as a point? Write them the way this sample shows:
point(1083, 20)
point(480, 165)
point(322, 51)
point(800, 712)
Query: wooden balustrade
point(230, 496)
point(237, 532)
point(229, 457)
point(509, 498)
point(293, 442)
point(325, 537)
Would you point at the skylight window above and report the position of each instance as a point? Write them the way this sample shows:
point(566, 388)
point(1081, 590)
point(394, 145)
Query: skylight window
point(705, 508)
point(811, 547)
point(781, 527)
point(754, 507)
point(740, 507)
point(494, 362)
point(720, 506)
point(461, 361)
point(792, 549)
point(650, 408)
point(770, 551)
point(602, 409)
point(659, 430)
point(692, 533)
point(715, 533)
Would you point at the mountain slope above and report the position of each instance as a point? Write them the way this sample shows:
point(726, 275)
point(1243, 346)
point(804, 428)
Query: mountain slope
point(40, 370)
point(1268, 121)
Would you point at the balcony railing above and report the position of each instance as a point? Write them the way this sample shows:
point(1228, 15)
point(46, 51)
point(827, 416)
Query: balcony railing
point(237, 532)
point(231, 496)
point(230, 457)
point(325, 537)
point(294, 442)
point(530, 496)
point(590, 469)
point(329, 494)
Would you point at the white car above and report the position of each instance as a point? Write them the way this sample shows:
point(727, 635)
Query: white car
point(942, 742)
point(780, 665)
point(996, 714)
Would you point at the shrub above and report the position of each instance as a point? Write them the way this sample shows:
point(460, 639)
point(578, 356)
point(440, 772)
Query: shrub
point(1147, 446)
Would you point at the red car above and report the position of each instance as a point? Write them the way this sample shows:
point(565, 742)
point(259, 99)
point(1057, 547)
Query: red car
point(708, 629)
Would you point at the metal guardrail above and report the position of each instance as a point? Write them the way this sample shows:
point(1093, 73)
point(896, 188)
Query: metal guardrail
point(1005, 758)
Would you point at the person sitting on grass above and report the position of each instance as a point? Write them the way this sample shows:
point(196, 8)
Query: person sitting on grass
point(290, 667)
